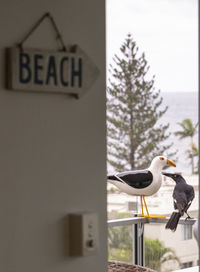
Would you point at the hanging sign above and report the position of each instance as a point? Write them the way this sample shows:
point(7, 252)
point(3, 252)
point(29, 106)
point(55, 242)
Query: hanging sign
point(50, 71)
point(65, 71)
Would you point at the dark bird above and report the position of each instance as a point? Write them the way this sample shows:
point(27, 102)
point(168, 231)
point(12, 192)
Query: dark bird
point(183, 195)
point(142, 182)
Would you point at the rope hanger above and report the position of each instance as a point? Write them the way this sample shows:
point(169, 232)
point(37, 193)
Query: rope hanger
point(58, 34)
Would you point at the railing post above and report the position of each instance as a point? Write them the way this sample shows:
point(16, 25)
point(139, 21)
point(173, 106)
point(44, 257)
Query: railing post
point(138, 244)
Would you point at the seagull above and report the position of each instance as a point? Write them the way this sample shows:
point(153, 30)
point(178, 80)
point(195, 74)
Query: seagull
point(183, 195)
point(142, 183)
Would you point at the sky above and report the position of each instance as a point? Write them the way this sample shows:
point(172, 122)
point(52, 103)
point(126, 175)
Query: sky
point(166, 31)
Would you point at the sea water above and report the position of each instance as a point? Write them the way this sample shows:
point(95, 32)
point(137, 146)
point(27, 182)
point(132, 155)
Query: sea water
point(181, 105)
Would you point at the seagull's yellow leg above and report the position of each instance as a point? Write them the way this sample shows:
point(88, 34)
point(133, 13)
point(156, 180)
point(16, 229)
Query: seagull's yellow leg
point(141, 215)
point(151, 215)
point(142, 206)
point(142, 199)
point(145, 206)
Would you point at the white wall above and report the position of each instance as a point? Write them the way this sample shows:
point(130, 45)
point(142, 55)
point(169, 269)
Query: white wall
point(185, 250)
point(52, 147)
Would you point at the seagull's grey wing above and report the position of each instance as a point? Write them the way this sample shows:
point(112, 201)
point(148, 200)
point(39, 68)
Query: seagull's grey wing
point(138, 179)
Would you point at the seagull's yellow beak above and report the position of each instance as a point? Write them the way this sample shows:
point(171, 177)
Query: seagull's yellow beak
point(171, 163)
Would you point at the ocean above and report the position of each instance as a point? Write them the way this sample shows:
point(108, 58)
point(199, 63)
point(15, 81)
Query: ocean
point(181, 106)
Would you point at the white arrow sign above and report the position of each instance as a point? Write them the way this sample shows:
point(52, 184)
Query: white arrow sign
point(50, 71)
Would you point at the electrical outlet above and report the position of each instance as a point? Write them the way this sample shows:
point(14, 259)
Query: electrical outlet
point(83, 234)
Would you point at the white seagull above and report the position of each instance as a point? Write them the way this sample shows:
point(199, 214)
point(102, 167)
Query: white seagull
point(142, 183)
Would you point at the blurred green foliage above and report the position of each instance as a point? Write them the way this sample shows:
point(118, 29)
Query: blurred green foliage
point(120, 247)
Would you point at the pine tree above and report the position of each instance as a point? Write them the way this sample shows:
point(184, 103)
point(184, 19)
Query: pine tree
point(134, 136)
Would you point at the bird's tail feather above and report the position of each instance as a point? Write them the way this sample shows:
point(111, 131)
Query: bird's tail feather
point(173, 221)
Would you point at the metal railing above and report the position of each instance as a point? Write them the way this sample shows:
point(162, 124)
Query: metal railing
point(138, 233)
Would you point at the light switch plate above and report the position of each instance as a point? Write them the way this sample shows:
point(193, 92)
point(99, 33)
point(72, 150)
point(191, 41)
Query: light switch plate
point(84, 234)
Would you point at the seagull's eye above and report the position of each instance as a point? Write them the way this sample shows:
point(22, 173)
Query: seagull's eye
point(161, 158)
